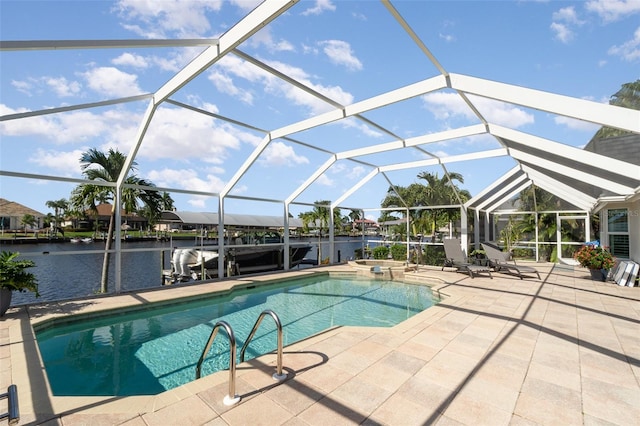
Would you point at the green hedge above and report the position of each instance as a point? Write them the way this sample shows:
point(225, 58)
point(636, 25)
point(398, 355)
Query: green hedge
point(380, 252)
point(399, 252)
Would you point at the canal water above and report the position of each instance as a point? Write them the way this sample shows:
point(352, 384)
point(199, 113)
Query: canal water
point(67, 271)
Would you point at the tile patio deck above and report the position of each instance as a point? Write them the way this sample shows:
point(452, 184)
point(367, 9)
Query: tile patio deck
point(558, 351)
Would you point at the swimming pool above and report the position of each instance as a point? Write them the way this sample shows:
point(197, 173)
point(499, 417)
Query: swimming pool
point(150, 351)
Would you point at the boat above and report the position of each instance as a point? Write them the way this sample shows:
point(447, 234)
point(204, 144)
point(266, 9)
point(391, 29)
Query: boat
point(81, 240)
point(245, 255)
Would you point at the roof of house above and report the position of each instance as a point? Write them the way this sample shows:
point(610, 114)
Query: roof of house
point(10, 208)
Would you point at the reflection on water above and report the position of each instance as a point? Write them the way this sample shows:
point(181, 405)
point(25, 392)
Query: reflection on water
point(76, 275)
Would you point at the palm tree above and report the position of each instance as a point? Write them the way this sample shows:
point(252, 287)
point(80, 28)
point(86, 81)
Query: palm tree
point(354, 216)
point(307, 218)
point(58, 206)
point(442, 191)
point(166, 202)
point(153, 214)
point(100, 167)
point(30, 221)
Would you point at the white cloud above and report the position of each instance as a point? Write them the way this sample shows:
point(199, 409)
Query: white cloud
point(567, 14)
point(181, 135)
point(265, 38)
point(182, 18)
point(279, 154)
point(224, 83)
point(112, 82)
point(246, 5)
point(320, 7)
point(562, 32)
point(446, 106)
point(630, 50)
point(613, 10)
point(575, 124)
point(339, 52)
point(131, 60)
point(324, 180)
point(71, 127)
point(356, 172)
point(65, 163)
point(23, 86)
point(447, 37)
point(186, 179)
point(365, 129)
point(59, 85)
point(231, 65)
point(564, 22)
point(63, 87)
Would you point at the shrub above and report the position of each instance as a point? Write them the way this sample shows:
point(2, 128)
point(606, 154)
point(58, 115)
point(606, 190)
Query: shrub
point(433, 255)
point(595, 257)
point(399, 252)
point(380, 252)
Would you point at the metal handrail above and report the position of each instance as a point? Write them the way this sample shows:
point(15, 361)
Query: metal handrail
point(13, 413)
point(231, 398)
point(279, 375)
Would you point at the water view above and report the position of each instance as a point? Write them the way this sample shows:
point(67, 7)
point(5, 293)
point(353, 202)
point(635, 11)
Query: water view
point(77, 274)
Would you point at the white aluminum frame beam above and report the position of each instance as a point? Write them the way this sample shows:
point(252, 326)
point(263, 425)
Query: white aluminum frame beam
point(497, 183)
point(103, 44)
point(310, 180)
point(257, 19)
point(357, 186)
point(375, 102)
point(508, 195)
point(594, 112)
point(573, 154)
point(500, 194)
point(584, 201)
point(571, 172)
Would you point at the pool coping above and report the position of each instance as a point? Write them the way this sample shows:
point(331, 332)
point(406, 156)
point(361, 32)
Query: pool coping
point(25, 354)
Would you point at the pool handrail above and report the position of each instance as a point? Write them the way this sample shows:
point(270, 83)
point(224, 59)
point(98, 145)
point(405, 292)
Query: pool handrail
point(13, 413)
point(231, 398)
point(279, 375)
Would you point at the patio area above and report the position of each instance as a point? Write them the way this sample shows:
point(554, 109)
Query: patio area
point(503, 351)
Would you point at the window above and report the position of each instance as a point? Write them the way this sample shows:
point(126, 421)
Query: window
point(618, 229)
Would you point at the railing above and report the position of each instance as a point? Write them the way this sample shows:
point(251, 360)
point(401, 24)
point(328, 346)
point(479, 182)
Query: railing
point(231, 397)
point(12, 414)
point(279, 375)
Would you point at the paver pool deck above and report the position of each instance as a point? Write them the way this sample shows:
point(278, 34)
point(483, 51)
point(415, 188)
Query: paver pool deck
point(558, 351)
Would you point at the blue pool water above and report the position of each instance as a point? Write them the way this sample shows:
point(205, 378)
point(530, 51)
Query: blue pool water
point(149, 351)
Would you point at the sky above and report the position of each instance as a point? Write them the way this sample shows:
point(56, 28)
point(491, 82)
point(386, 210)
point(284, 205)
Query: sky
point(347, 50)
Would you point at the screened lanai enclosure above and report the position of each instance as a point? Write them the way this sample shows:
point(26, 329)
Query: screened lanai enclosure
point(296, 133)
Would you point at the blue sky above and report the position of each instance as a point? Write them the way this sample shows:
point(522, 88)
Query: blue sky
point(347, 50)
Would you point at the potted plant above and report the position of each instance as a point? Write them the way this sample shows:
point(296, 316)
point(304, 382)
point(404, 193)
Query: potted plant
point(480, 256)
point(597, 259)
point(14, 277)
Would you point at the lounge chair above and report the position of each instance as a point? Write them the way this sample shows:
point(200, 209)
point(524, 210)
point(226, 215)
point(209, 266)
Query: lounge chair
point(502, 261)
point(457, 259)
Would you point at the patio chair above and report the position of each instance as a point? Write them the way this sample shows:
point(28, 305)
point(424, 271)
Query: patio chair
point(502, 261)
point(456, 258)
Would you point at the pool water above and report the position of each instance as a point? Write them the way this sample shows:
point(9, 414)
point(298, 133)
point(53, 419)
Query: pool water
point(153, 350)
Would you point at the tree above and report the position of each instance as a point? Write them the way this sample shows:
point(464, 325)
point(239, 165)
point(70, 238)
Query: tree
point(58, 206)
point(627, 97)
point(443, 191)
point(537, 199)
point(28, 220)
point(153, 214)
point(100, 167)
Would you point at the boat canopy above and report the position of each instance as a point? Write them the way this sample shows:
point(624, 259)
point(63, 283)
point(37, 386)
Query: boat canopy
point(230, 219)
